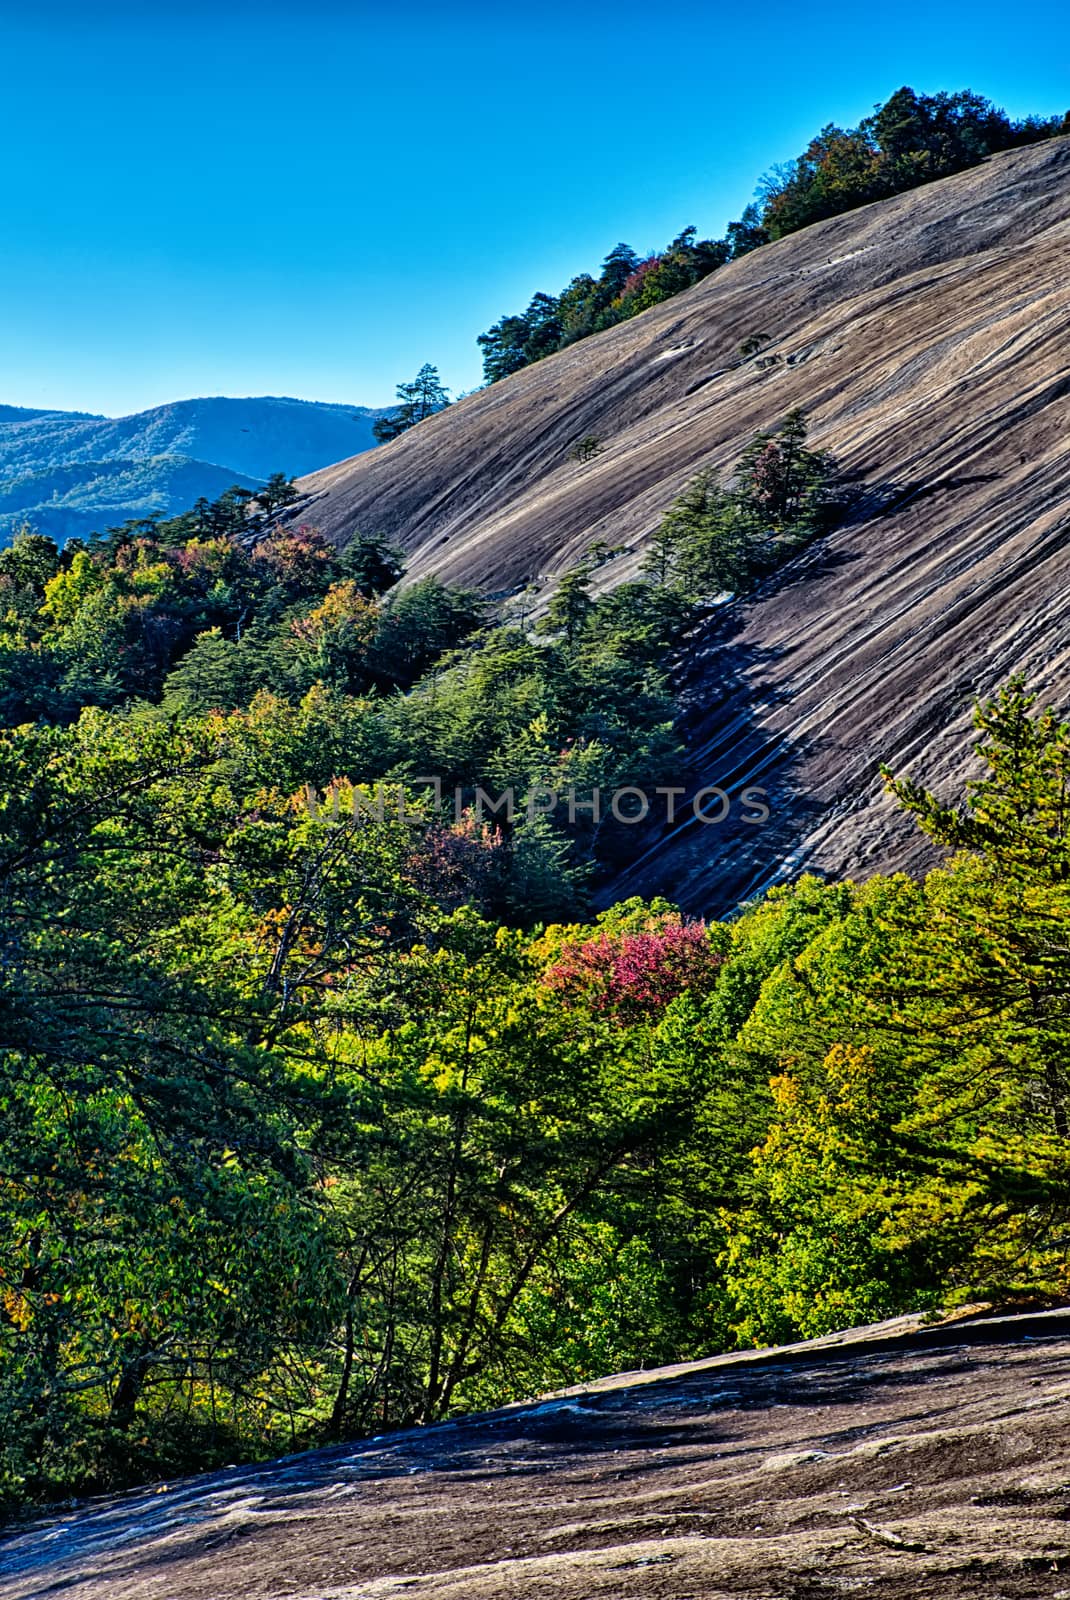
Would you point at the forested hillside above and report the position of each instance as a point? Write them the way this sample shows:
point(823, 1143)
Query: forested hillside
point(358, 1064)
point(70, 475)
point(329, 1107)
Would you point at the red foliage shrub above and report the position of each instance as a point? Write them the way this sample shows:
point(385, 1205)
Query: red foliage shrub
point(637, 974)
point(634, 281)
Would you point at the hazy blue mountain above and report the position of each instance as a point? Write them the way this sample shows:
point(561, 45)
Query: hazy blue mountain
point(70, 473)
point(28, 413)
point(89, 496)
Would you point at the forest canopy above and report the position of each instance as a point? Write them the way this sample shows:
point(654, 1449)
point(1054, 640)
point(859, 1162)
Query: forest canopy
point(295, 1147)
point(319, 1122)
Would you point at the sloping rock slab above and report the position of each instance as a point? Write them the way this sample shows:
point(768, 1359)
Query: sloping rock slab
point(894, 1461)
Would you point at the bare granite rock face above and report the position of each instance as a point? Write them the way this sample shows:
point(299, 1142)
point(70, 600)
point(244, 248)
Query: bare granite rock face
point(895, 1462)
point(926, 337)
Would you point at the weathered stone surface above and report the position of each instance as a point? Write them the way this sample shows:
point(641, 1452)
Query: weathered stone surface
point(927, 338)
point(894, 1462)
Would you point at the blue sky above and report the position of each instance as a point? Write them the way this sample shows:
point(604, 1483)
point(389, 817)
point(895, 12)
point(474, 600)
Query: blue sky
point(314, 198)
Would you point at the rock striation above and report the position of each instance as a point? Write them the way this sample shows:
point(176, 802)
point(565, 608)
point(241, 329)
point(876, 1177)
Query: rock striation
point(896, 1462)
point(926, 336)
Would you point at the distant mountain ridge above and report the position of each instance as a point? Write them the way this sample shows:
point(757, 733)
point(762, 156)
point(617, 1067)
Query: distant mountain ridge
point(72, 473)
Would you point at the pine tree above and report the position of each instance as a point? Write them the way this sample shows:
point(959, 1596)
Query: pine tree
point(1018, 816)
point(418, 400)
point(571, 603)
point(277, 492)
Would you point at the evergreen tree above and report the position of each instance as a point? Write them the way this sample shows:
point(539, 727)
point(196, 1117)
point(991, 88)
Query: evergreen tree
point(419, 399)
point(617, 268)
point(1018, 816)
point(571, 602)
point(373, 564)
point(278, 491)
point(212, 674)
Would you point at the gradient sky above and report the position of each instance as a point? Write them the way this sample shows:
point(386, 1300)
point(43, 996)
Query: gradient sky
point(314, 198)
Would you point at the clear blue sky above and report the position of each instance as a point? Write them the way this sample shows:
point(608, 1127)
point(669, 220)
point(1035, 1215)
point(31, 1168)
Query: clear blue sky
point(312, 198)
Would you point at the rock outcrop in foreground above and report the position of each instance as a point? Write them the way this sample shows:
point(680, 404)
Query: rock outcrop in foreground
point(892, 1461)
point(927, 338)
